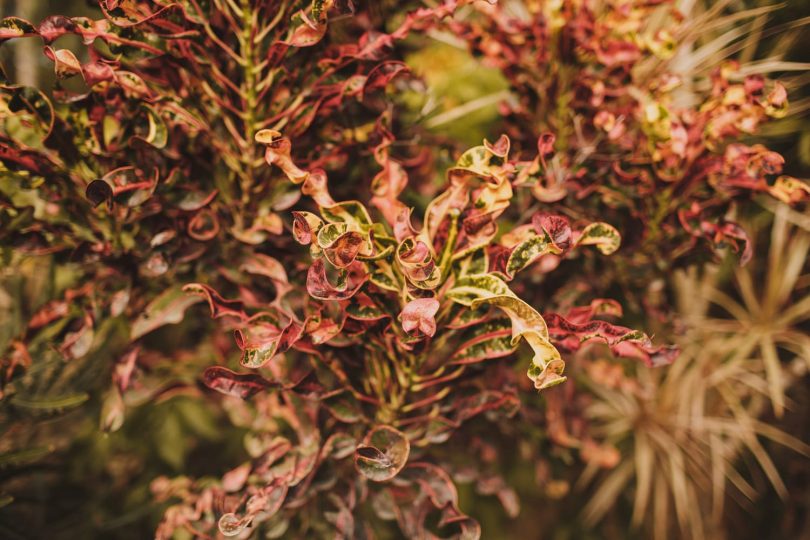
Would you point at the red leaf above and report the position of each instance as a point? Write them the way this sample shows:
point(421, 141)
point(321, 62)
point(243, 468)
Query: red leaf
point(220, 307)
point(622, 341)
point(230, 383)
point(204, 225)
point(418, 316)
point(55, 26)
point(319, 287)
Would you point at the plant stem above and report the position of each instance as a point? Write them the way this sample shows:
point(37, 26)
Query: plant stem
point(248, 49)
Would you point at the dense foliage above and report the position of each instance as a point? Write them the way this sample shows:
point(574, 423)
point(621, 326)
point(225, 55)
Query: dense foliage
point(634, 137)
point(380, 297)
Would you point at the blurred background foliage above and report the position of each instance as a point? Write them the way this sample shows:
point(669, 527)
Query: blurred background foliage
point(720, 436)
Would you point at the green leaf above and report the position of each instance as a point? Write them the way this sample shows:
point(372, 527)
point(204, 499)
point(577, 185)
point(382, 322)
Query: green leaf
point(50, 404)
point(528, 251)
point(23, 457)
point(605, 237)
point(31, 108)
point(352, 213)
point(476, 262)
point(158, 133)
point(362, 308)
point(475, 286)
point(168, 308)
point(486, 341)
point(12, 27)
point(384, 280)
point(547, 365)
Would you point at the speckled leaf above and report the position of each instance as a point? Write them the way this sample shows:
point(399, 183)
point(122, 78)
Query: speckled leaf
point(487, 341)
point(547, 365)
point(789, 190)
point(319, 287)
point(305, 226)
point(260, 342)
point(12, 27)
point(353, 213)
point(65, 63)
point(529, 251)
point(362, 308)
point(605, 237)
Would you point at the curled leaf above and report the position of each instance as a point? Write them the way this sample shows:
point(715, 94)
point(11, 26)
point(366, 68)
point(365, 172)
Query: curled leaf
point(98, 191)
point(232, 525)
point(230, 383)
point(305, 226)
point(12, 27)
point(418, 316)
point(547, 365)
point(278, 153)
point(436, 491)
point(269, 267)
point(204, 225)
point(267, 136)
point(789, 190)
point(340, 248)
point(220, 307)
point(776, 103)
point(383, 454)
point(65, 63)
point(622, 341)
point(528, 251)
point(55, 26)
point(307, 32)
point(318, 286)
point(261, 341)
point(605, 237)
point(416, 261)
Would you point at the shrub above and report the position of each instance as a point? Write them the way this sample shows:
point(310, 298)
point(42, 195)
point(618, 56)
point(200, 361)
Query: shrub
point(395, 326)
point(643, 128)
point(148, 177)
point(144, 176)
point(162, 171)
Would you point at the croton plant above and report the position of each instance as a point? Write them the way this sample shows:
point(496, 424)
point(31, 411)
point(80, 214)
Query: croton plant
point(640, 128)
point(380, 355)
point(133, 178)
point(638, 132)
point(159, 173)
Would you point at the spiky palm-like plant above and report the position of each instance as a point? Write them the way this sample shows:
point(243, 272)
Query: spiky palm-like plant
point(683, 431)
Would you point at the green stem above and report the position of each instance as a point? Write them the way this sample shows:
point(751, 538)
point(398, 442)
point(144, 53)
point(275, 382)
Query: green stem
point(248, 48)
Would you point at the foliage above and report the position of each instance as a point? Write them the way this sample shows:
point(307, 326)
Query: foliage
point(642, 130)
point(279, 162)
point(395, 323)
point(147, 177)
point(704, 413)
